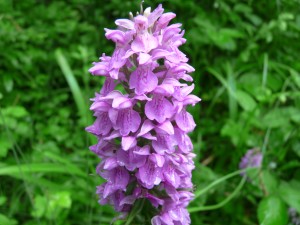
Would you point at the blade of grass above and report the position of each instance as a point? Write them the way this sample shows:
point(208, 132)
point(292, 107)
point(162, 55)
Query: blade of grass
point(38, 168)
point(72, 82)
point(232, 96)
point(265, 70)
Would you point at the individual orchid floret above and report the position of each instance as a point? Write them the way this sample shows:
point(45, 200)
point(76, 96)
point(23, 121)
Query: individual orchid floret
point(142, 122)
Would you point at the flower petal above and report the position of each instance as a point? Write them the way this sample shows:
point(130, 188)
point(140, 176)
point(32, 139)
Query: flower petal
point(143, 80)
point(159, 109)
point(128, 142)
point(185, 121)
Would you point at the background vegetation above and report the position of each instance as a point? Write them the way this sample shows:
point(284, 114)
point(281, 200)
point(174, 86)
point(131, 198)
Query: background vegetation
point(246, 55)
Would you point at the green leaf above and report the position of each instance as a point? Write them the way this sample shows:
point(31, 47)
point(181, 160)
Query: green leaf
point(15, 111)
point(6, 221)
point(8, 82)
point(5, 145)
point(2, 200)
point(290, 194)
point(245, 100)
point(39, 206)
point(272, 211)
point(270, 182)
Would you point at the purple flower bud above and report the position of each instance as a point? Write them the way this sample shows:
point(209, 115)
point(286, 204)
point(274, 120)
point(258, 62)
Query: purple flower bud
point(142, 128)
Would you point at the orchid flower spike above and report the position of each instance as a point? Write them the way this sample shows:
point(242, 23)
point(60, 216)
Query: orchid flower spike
point(142, 131)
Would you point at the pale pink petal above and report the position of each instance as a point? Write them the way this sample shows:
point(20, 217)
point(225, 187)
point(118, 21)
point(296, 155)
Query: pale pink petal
point(116, 36)
point(128, 24)
point(143, 58)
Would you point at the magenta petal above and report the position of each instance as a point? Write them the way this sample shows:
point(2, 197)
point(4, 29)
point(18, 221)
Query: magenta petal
point(117, 60)
point(149, 137)
point(110, 163)
point(149, 175)
point(167, 127)
point(102, 125)
point(158, 159)
point(121, 103)
point(183, 141)
point(159, 109)
point(127, 121)
point(171, 175)
point(164, 89)
point(143, 80)
point(128, 142)
point(100, 106)
point(144, 43)
point(113, 115)
point(130, 159)
point(146, 127)
point(164, 20)
point(191, 100)
point(145, 150)
point(155, 201)
point(185, 121)
point(108, 86)
point(112, 135)
point(159, 53)
point(155, 14)
point(128, 200)
point(164, 143)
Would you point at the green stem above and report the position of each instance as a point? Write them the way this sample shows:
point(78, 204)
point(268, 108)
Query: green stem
point(207, 188)
point(138, 206)
point(220, 204)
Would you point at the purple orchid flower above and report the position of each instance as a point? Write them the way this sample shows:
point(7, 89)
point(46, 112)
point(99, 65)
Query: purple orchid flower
point(142, 131)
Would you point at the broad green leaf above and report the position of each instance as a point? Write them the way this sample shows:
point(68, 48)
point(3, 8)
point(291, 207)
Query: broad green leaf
point(15, 111)
point(270, 182)
point(272, 211)
point(276, 118)
point(6, 221)
point(39, 206)
point(245, 100)
point(290, 194)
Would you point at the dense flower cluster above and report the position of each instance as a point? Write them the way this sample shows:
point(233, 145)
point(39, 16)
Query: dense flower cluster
point(142, 132)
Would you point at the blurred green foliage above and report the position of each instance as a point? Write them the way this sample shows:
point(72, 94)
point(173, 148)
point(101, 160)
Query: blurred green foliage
point(246, 55)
